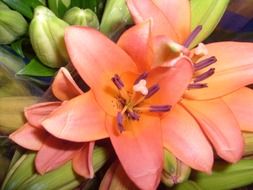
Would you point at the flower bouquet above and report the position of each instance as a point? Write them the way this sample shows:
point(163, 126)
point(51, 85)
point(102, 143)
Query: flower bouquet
point(125, 94)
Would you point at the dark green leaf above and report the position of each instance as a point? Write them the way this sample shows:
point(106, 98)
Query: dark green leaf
point(17, 47)
point(36, 68)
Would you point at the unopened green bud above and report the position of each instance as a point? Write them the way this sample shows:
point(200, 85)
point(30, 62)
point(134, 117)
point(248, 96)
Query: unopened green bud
point(12, 25)
point(12, 112)
point(47, 37)
point(174, 171)
point(207, 14)
point(116, 18)
point(23, 176)
point(226, 176)
point(3, 6)
point(81, 17)
point(248, 143)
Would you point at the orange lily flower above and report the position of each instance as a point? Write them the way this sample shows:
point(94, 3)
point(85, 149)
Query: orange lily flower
point(217, 103)
point(51, 153)
point(125, 103)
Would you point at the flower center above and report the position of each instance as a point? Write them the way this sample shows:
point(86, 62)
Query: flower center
point(131, 105)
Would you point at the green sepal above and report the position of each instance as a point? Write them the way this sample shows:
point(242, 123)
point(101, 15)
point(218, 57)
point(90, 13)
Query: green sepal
point(226, 176)
point(208, 14)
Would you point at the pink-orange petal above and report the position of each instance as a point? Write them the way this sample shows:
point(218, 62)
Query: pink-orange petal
point(179, 15)
point(220, 126)
point(172, 80)
point(82, 161)
point(139, 149)
point(136, 41)
point(147, 9)
point(80, 119)
point(233, 70)
point(29, 137)
point(183, 137)
point(36, 113)
point(97, 59)
point(64, 86)
point(116, 177)
point(54, 153)
point(241, 103)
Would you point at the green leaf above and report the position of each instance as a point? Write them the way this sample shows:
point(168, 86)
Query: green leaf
point(208, 14)
point(17, 47)
point(25, 7)
point(36, 68)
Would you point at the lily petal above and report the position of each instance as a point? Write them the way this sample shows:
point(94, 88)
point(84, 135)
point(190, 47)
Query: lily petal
point(64, 87)
point(233, 70)
point(52, 154)
point(84, 45)
point(136, 41)
point(82, 161)
point(37, 113)
point(173, 81)
point(147, 9)
point(179, 15)
point(183, 137)
point(220, 126)
point(79, 120)
point(241, 102)
point(139, 149)
point(29, 137)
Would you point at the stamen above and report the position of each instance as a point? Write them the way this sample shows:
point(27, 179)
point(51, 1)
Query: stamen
point(192, 36)
point(205, 63)
point(133, 115)
point(152, 90)
point(163, 108)
point(141, 87)
point(205, 75)
point(117, 81)
point(197, 85)
point(142, 76)
point(120, 122)
point(201, 50)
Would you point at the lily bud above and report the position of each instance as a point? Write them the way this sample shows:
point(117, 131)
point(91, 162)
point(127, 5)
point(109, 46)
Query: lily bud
point(22, 174)
point(12, 25)
point(207, 14)
point(12, 112)
point(248, 144)
point(81, 17)
point(47, 37)
point(116, 178)
point(115, 19)
point(174, 171)
point(226, 176)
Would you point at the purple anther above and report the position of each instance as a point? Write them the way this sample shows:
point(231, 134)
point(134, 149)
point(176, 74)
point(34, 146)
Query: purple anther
point(142, 76)
point(204, 75)
point(205, 63)
point(152, 90)
point(192, 36)
point(117, 81)
point(162, 108)
point(133, 115)
point(120, 122)
point(197, 86)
